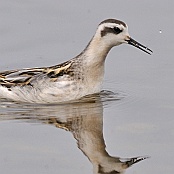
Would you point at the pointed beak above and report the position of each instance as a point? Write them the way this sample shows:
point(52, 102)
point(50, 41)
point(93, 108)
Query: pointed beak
point(138, 45)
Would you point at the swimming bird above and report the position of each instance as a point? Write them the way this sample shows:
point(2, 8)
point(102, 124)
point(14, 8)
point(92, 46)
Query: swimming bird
point(73, 79)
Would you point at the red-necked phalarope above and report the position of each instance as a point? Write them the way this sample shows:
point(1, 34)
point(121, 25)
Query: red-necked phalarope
point(70, 80)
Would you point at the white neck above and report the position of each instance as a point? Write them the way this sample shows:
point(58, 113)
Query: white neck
point(96, 51)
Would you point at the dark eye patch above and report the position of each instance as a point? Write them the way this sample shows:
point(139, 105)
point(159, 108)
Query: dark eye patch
point(107, 30)
point(117, 30)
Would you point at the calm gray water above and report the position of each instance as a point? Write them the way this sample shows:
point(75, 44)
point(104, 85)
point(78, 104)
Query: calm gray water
point(135, 120)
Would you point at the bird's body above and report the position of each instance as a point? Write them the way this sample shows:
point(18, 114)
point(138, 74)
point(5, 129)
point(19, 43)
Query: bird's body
point(70, 80)
point(61, 83)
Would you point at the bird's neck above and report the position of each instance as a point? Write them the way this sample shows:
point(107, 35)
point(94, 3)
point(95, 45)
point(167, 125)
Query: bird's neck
point(96, 51)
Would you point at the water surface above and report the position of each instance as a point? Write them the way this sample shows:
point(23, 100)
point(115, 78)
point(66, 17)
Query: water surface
point(135, 120)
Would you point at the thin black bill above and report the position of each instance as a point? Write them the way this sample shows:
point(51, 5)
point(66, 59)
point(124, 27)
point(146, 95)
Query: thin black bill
point(140, 46)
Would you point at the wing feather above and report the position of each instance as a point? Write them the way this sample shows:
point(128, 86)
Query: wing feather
point(25, 76)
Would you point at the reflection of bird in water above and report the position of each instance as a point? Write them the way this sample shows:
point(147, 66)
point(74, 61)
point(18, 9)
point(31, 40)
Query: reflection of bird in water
point(85, 121)
point(88, 131)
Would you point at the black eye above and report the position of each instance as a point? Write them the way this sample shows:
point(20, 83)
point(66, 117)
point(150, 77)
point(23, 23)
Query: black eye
point(117, 30)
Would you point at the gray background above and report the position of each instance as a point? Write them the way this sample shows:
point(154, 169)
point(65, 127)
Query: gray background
point(36, 33)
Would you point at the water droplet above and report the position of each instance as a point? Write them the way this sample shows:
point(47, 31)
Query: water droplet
point(160, 31)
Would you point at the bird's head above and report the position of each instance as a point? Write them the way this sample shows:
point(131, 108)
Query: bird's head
point(115, 32)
